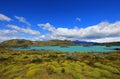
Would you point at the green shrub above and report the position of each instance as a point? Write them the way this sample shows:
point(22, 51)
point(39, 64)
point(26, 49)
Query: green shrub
point(72, 57)
point(53, 69)
point(12, 75)
point(36, 59)
point(67, 70)
point(62, 70)
point(53, 55)
point(1, 66)
point(64, 64)
point(54, 63)
point(98, 73)
point(86, 61)
point(76, 67)
point(73, 69)
point(76, 75)
point(109, 68)
point(7, 68)
point(35, 67)
point(30, 65)
point(11, 71)
point(33, 72)
point(26, 57)
point(17, 78)
point(94, 74)
point(3, 58)
point(105, 73)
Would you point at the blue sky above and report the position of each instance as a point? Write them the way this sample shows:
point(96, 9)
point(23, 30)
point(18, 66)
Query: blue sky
point(89, 20)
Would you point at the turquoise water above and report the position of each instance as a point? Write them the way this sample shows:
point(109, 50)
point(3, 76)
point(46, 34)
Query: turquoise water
point(71, 48)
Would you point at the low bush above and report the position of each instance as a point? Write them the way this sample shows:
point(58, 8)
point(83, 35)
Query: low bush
point(105, 73)
point(72, 57)
point(109, 68)
point(36, 59)
point(94, 74)
point(53, 55)
point(33, 72)
point(17, 78)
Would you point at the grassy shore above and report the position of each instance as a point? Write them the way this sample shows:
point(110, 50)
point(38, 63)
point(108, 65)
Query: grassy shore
point(43, 64)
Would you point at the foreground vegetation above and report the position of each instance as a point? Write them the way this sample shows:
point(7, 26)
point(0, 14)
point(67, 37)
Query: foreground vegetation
point(43, 64)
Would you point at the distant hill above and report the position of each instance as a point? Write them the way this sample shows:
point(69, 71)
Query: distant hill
point(23, 42)
point(94, 43)
point(110, 44)
point(16, 42)
point(84, 42)
point(62, 43)
point(54, 43)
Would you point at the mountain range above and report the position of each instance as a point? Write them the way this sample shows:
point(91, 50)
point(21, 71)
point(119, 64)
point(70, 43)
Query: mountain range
point(24, 42)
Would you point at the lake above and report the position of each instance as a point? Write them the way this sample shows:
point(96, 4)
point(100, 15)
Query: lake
point(71, 48)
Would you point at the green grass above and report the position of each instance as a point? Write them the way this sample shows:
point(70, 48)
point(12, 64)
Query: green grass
point(58, 65)
point(108, 68)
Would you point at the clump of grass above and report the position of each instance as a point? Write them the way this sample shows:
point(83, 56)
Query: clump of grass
point(1, 66)
point(17, 78)
point(77, 75)
point(11, 71)
point(53, 55)
point(106, 73)
point(109, 68)
point(33, 70)
point(3, 58)
point(94, 74)
point(73, 73)
point(7, 68)
point(72, 57)
point(64, 64)
point(76, 67)
point(99, 73)
point(36, 59)
point(29, 65)
point(32, 73)
point(53, 69)
point(72, 68)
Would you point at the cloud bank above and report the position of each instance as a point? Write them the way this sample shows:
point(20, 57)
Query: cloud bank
point(97, 33)
point(24, 30)
point(4, 18)
point(102, 32)
point(23, 20)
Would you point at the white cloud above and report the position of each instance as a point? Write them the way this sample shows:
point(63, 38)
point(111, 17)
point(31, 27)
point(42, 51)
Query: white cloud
point(96, 33)
point(7, 32)
point(107, 39)
point(25, 30)
point(47, 26)
point(4, 18)
point(3, 38)
point(78, 19)
point(102, 32)
point(19, 32)
point(23, 20)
